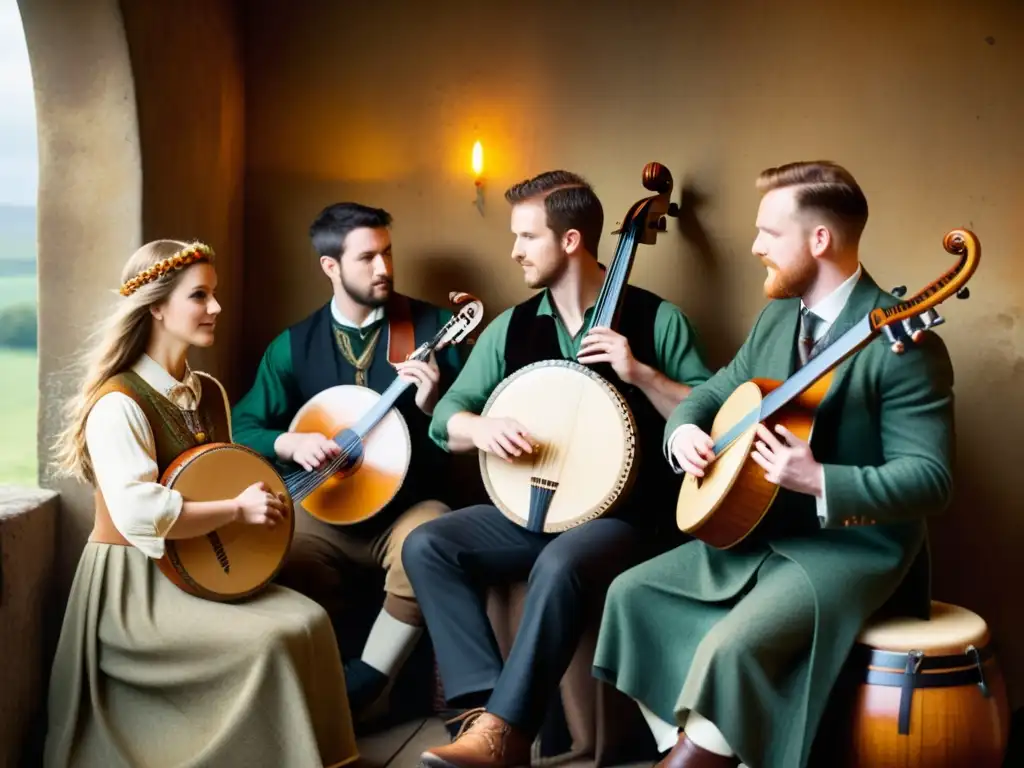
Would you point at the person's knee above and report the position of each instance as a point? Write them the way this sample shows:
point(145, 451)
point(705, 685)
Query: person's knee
point(555, 570)
point(420, 546)
point(624, 589)
point(309, 566)
point(416, 516)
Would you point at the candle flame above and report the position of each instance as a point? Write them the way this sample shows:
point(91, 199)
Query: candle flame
point(478, 159)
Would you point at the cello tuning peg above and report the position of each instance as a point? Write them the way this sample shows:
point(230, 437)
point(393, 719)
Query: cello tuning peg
point(899, 290)
point(963, 293)
point(673, 209)
point(659, 225)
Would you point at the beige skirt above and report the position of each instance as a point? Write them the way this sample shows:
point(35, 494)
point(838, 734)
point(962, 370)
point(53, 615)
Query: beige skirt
point(146, 676)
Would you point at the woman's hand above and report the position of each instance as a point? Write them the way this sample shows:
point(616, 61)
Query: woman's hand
point(257, 506)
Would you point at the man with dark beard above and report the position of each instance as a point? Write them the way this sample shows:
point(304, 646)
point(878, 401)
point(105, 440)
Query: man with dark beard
point(348, 341)
point(731, 654)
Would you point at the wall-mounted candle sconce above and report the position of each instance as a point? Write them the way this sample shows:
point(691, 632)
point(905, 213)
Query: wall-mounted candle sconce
point(478, 171)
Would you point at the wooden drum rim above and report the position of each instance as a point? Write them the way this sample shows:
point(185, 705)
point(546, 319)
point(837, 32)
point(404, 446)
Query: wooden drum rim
point(182, 462)
point(626, 473)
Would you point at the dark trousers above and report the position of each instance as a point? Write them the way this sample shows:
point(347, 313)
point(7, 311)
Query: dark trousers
point(453, 559)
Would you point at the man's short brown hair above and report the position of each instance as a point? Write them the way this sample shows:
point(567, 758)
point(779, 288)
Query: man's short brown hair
point(569, 202)
point(825, 187)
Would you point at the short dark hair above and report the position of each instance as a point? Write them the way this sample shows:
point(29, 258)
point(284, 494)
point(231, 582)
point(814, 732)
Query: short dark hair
point(332, 225)
point(822, 186)
point(569, 203)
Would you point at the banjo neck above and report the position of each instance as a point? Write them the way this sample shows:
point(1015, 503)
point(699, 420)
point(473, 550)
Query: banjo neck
point(302, 483)
point(395, 389)
point(908, 318)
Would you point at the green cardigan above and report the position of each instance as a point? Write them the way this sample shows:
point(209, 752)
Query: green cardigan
point(885, 435)
point(889, 446)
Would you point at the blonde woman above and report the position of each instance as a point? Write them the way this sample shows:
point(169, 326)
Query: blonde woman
point(145, 674)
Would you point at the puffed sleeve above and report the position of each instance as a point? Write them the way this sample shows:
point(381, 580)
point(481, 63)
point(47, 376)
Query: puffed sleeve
point(123, 452)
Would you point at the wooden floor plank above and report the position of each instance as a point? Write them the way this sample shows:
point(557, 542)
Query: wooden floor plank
point(401, 746)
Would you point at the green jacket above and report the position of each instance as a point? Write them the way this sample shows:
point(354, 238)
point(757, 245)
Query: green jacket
point(885, 429)
point(885, 435)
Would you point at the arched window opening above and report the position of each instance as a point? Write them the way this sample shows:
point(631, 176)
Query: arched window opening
point(19, 172)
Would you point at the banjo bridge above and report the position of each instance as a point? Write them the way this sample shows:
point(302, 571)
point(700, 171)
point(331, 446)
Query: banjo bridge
point(541, 491)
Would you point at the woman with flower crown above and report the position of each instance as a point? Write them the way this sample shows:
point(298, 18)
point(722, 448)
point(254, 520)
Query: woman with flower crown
point(146, 674)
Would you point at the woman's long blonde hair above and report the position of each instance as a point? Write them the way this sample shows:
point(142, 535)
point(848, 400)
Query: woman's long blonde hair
point(119, 342)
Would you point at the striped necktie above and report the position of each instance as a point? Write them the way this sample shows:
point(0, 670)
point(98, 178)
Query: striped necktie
point(809, 323)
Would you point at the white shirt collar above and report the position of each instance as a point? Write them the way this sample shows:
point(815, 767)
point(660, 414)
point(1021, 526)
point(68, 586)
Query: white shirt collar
point(178, 392)
point(828, 309)
point(340, 319)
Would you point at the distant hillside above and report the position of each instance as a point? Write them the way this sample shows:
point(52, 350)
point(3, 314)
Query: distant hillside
point(17, 240)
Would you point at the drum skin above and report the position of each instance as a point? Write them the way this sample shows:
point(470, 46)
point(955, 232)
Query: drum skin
point(238, 559)
point(950, 725)
point(586, 439)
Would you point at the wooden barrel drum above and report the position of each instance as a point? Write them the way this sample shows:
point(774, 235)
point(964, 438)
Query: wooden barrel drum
point(931, 694)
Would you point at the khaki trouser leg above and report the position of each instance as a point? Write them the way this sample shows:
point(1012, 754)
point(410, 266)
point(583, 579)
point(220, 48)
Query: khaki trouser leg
point(400, 600)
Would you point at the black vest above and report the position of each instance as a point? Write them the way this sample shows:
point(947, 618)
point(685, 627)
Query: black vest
point(531, 338)
point(318, 364)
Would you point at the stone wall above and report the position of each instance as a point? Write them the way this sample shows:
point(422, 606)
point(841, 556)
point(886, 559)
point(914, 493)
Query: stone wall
point(28, 613)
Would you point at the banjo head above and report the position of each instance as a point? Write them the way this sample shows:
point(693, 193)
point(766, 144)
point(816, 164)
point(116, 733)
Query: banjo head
point(587, 439)
point(237, 559)
point(363, 490)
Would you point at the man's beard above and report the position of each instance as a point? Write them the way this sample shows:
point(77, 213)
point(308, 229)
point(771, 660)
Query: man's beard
point(544, 278)
point(367, 297)
point(789, 283)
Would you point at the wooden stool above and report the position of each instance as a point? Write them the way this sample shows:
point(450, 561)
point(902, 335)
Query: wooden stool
point(930, 694)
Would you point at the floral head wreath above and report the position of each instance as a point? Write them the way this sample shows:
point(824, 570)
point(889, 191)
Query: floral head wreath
point(183, 258)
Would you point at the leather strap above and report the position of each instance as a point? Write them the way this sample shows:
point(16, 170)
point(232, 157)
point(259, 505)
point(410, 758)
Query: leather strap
point(916, 675)
point(401, 336)
point(898, 660)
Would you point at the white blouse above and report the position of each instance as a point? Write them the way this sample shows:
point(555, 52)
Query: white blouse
point(123, 452)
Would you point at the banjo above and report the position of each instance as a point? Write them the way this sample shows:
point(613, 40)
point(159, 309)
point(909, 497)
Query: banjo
point(375, 446)
point(727, 504)
point(584, 458)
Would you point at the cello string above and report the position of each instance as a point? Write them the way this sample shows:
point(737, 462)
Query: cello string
point(555, 458)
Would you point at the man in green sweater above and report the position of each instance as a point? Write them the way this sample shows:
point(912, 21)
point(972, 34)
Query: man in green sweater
point(348, 340)
point(740, 648)
point(652, 358)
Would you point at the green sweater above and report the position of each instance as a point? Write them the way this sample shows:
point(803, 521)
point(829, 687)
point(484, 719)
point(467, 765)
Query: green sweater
point(675, 345)
point(268, 407)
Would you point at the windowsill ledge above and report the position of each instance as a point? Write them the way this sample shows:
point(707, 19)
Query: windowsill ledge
point(28, 524)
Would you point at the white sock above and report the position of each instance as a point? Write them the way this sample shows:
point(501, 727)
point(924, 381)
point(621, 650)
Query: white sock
point(665, 734)
point(390, 643)
point(703, 733)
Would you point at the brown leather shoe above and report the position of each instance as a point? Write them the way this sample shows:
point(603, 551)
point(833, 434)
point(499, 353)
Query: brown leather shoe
point(484, 741)
point(686, 754)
